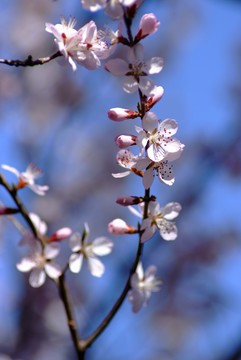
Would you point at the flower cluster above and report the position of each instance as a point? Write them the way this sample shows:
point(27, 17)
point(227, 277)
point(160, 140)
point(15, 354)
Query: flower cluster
point(85, 46)
point(156, 149)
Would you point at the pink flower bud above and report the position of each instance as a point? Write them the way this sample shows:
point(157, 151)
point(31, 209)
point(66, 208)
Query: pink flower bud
point(124, 140)
point(126, 200)
point(157, 95)
point(8, 211)
point(119, 114)
point(148, 25)
point(61, 234)
point(120, 227)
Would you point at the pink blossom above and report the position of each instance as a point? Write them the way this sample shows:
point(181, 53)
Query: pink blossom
point(148, 25)
point(84, 46)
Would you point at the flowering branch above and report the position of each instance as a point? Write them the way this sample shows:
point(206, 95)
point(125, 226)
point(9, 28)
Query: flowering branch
point(12, 192)
point(29, 60)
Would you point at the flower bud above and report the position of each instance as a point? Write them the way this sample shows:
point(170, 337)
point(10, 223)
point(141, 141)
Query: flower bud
point(61, 234)
point(126, 200)
point(148, 25)
point(119, 114)
point(125, 140)
point(157, 95)
point(8, 211)
point(120, 227)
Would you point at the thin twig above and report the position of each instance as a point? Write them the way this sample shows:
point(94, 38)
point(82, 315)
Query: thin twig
point(29, 60)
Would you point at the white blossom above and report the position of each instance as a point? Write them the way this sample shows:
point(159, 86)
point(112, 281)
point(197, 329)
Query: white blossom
point(40, 263)
point(83, 249)
point(136, 70)
point(27, 178)
point(142, 285)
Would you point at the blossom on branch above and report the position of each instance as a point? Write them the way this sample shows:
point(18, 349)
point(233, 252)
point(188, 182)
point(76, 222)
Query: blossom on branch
point(142, 285)
point(85, 46)
point(148, 25)
point(27, 178)
point(40, 263)
point(120, 227)
point(159, 218)
point(82, 249)
point(127, 160)
point(158, 139)
point(119, 114)
point(136, 70)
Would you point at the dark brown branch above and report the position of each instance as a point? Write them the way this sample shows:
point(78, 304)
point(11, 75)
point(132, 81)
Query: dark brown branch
point(29, 60)
point(12, 192)
point(64, 295)
point(86, 343)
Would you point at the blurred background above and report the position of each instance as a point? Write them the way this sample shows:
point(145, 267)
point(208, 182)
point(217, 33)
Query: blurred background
point(57, 119)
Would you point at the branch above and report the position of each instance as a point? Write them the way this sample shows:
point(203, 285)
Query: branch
point(84, 344)
point(20, 206)
point(64, 295)
point(29, 60)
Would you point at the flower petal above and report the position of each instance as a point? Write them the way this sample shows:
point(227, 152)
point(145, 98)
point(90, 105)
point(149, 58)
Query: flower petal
point(75, 262)
point(95, 266)
point(102, 246)
point(37, 277)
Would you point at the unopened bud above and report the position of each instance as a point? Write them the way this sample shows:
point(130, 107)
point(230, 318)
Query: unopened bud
point(157, 95)
point(120, 227)
point(148, 25)
point(61, 234)
point(119, 114)
point(126, 200)
point(8, 211)
point(124, 140)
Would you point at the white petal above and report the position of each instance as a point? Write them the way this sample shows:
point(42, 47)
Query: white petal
point(121, 175)
point(102, 246)
point(168, 127)
point(171, 210)
point(95, 266)
point(168, 231)
point(37, 277)
point(165, 173)
point(26, 264)
point(136, 298)
point(130, 85)
point(149, 121)
point(75, 262)
point(11, 169)
point(75, 242)
point(51, 250)
point(140, 271)
point(154, 65)
point(155, 152)
point(40, 225)
point(148, 178)
point(147, 86)
point(53, 269)
point(117, 67)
